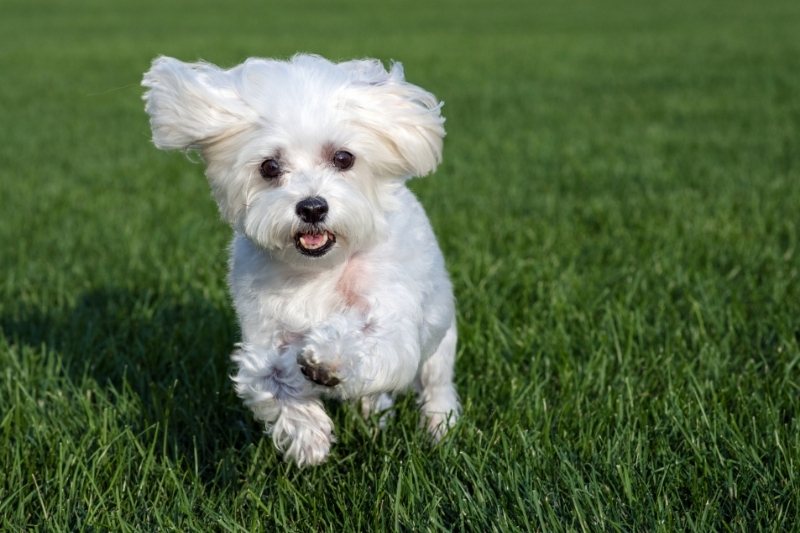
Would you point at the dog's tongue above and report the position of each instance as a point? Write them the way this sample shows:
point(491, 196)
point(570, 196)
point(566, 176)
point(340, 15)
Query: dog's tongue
point(313, 240)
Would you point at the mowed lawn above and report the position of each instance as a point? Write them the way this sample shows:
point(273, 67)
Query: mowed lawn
point(619, 206)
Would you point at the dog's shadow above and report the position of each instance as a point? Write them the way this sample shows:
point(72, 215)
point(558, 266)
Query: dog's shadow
point(163, 360)
point(167, 352)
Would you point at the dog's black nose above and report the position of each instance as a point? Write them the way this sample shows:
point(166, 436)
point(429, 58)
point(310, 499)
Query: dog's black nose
point(312, 210)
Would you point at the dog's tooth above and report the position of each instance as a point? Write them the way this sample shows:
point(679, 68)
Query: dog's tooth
point(313, 241)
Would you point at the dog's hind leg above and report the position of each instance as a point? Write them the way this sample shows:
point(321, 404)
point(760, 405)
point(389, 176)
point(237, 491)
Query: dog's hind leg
point(378, 404)
point(436, 393)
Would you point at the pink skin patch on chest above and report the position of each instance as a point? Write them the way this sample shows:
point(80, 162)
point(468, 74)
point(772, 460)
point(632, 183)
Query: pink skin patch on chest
point(352, 284)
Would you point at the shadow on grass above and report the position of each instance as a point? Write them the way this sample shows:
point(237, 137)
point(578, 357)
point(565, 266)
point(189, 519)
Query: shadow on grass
point(161, 359)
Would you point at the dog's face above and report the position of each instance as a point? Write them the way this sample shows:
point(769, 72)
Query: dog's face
point(302, 155)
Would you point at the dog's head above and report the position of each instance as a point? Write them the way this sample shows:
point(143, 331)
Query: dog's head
point(303, 155)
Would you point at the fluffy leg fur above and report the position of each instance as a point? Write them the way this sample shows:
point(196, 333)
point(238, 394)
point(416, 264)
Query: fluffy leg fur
point(378, 404)
point(359, 357)
point(271, 384)
point(437, 395)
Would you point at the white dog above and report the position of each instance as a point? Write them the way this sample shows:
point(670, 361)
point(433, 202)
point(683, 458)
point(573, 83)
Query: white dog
point(338, 282)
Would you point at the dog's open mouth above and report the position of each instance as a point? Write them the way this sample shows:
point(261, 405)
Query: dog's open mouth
point(315, 243)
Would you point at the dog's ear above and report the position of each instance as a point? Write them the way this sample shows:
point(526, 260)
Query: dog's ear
point(406, 118)
point(191, 105)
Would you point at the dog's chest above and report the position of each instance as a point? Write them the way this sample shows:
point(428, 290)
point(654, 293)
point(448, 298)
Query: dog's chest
point(297, 304)
point(352, 285)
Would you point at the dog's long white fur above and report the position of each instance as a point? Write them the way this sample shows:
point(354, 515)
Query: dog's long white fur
point(377, 310)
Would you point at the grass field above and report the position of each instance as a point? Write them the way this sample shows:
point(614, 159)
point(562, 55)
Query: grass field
point(619, 206)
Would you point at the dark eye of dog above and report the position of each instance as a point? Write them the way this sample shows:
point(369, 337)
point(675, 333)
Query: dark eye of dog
point(270, 168)
point(343, 159)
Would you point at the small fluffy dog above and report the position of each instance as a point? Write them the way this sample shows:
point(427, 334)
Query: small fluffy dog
point(338, 282)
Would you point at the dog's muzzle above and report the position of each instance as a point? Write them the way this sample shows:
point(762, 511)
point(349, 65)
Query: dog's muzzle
point(313, 240)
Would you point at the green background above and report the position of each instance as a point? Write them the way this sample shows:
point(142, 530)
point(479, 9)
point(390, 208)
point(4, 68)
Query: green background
point(618, 206)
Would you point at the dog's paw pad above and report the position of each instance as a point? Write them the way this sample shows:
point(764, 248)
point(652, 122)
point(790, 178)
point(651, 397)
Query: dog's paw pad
point(317, 372)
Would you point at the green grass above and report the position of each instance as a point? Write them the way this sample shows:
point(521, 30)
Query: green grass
point(619, 207)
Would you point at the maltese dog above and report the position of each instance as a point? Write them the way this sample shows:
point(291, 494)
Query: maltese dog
point(336, 276)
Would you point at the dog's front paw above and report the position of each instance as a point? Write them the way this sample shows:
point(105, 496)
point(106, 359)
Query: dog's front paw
point(303, 432)
point(316, 371)
point(331, 356)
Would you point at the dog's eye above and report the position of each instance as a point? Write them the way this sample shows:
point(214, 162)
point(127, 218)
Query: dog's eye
point(270, 169)
point(343, 160)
